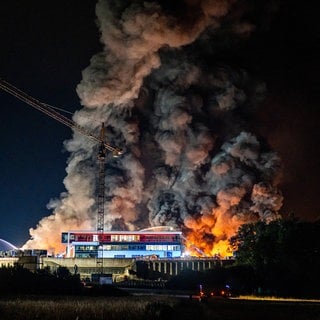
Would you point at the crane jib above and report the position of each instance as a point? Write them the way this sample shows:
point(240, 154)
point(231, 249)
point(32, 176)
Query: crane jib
point(9, 88)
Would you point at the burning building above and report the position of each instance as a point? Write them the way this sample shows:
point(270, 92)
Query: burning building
point(179, 111)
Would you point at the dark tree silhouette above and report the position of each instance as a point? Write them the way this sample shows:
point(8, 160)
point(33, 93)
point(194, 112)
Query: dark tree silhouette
point(284, 256)
point(18, 280)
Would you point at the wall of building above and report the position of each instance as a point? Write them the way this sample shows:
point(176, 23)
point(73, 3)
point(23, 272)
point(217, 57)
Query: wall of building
point(173, 267)
point(143, 268)
point(8, 261)
point(28, 262)
point(87, 266)
point(120, 268)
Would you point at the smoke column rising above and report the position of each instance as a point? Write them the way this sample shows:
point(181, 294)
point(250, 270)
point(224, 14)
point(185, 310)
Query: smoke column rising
point(190, 161)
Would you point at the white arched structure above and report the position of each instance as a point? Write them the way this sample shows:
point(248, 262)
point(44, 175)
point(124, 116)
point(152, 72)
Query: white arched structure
point(5, 245)
point(158, 228)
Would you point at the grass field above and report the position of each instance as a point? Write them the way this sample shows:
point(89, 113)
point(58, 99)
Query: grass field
point(153, 307)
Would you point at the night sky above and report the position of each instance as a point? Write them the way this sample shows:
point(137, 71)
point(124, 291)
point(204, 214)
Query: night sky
point(46, 45)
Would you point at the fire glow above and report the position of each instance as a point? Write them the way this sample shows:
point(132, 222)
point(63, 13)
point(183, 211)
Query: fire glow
point(189, 161)
point(209, 236)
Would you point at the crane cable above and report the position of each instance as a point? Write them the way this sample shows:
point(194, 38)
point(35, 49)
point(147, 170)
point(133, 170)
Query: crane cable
point(49, 110)
point(57, 108)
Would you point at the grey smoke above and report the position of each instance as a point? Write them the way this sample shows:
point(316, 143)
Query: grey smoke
point(189, 159)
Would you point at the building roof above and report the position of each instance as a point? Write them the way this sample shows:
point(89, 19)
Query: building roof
point(6, 246)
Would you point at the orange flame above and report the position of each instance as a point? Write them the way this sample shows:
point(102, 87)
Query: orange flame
point(210, 233)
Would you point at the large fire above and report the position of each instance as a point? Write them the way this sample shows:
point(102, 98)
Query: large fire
point(209, 235)
point(181, 115)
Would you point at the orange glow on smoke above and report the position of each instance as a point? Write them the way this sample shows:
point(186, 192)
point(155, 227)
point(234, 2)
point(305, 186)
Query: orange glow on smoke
point(53, 246)
point(209, 234)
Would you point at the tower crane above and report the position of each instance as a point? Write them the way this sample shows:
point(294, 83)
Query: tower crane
point(101, 139)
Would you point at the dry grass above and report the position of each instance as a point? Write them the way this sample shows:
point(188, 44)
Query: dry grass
point(154, 307)
point(277, 299)
point(79, 308)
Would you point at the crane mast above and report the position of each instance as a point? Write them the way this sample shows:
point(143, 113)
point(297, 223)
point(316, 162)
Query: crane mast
point(101, 188)
point(103, 148)
point(101, 180)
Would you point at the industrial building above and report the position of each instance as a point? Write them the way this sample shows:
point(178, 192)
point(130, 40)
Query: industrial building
point(146, 254)
point(123, 244)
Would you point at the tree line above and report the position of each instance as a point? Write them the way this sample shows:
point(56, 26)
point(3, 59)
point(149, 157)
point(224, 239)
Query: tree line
point(280, 258)
point(19, 280)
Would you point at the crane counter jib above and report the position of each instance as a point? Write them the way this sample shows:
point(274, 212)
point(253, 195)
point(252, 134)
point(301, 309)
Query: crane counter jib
point(44, 108)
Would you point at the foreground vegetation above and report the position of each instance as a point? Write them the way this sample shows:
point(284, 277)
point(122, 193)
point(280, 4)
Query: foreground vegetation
point(281, 258)
point(150, 307)
point(18, 280)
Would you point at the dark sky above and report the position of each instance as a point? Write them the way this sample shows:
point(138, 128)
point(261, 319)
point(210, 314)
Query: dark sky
point(46, 45)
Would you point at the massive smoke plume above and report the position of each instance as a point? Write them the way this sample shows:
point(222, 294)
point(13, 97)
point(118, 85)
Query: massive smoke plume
point(190, 159)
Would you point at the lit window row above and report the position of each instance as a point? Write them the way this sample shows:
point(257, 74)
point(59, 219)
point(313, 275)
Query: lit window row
point(162, 247)
point(125, 237)
point(115, 247)
point(86, 248)
point(160, 238)
point(158, 247)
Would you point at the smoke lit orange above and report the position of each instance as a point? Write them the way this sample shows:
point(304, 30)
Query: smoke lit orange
point(209, 234)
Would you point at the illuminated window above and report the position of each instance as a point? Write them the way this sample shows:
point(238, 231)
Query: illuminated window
point(114, 237)
point(125, 238)
point(156, 247)
point(173, 248)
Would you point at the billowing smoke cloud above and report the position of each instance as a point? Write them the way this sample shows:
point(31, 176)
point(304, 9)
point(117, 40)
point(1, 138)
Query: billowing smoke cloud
point(190, 160)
